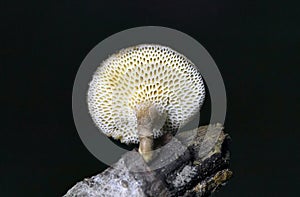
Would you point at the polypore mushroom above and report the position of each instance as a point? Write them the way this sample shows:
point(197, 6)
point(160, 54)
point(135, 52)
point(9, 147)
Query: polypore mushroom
point(142, 92)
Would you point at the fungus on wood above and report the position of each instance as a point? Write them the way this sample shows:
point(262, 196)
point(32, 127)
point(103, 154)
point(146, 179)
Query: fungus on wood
point(143, 95)
point(143, 92)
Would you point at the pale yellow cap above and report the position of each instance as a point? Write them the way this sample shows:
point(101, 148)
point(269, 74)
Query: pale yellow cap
point(142, 75)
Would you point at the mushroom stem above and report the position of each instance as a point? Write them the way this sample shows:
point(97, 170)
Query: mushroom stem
point(146, 144)
point(148, 117)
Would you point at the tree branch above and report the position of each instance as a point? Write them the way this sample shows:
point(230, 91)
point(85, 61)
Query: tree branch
point(194, 163)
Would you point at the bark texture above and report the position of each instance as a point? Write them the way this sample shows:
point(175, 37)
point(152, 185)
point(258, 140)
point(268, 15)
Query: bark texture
point(193, 163)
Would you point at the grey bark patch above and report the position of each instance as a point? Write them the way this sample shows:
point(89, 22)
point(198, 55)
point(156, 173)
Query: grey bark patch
point(191, 173)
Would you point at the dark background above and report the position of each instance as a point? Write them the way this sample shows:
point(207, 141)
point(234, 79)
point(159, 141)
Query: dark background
point(254, 43)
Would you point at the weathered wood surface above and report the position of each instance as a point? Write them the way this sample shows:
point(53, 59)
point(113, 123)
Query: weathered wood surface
point(194, 163)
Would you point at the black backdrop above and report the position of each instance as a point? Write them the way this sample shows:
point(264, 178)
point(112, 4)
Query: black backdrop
point(254, 44)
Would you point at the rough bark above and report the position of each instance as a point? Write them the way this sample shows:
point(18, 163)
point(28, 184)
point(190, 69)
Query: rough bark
point(194, 163)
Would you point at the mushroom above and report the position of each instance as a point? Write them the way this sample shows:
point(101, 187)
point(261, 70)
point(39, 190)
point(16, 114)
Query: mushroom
point(142, 92)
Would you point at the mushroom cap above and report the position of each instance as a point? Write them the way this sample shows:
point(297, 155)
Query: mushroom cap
point(138, 76)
